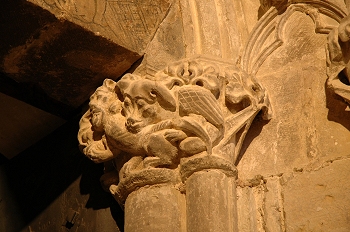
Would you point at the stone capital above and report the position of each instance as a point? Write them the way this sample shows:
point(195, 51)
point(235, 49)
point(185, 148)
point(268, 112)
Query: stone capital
point(160, 129)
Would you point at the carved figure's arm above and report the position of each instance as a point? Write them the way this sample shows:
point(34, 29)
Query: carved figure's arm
point(99, 152)
point(338, 59)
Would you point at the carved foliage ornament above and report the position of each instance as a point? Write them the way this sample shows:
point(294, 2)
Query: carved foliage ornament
point(193, 115)
point(190, 116)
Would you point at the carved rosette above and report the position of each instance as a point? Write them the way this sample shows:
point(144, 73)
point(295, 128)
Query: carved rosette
point(160, 129)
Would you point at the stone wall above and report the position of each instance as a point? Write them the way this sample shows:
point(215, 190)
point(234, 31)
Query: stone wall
point(293, 169)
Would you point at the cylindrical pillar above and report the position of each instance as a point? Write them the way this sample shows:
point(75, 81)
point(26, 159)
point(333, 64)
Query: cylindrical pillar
point(155, 208)
point(211, 202)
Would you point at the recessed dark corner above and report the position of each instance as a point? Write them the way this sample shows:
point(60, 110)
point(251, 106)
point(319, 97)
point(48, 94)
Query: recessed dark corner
point(3, 159)
point(69, 225)
point(343, 78)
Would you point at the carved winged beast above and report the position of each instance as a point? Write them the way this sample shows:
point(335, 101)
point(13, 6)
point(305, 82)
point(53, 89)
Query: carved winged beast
point(148, 119)
point(170, 123)
point(182, 111)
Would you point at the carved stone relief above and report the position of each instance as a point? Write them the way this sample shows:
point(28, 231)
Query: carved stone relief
point(192, 115)
point(185, 124)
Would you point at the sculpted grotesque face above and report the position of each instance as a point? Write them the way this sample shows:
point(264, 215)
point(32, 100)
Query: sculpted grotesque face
point(140, 113)
point(147, 103)
point(103, 102)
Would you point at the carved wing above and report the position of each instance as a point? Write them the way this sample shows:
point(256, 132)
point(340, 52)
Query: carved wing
point(198, 100)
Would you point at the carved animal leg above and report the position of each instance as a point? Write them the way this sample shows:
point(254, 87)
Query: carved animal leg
point(192, 145)
point(174, 136)
point(98, 152)
point(164, 153)
point(189, 124)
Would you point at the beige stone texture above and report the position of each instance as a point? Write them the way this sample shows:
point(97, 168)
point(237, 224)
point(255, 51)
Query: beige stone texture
point(205, 205)
point(237, 117)
point(130, 24)
point(318, 199)
point(309, 125)
point(155, 208)
point(225, 84)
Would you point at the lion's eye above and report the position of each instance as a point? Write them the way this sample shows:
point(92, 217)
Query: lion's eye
point(95, 111)
point(96, 115)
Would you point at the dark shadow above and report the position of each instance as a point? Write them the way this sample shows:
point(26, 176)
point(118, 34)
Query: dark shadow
point(98, 198)
point(33, 94)
point(118, 215)
point(133, 67)
point(261, 12)
point(253, 132)
point(3, 159)
point(90, 184)
point(336, 107)
point(37, 176)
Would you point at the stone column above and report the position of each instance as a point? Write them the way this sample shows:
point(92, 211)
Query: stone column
point(210, 193)
point(211, 202)
point(174, 138)
point(152, 200)
point(155, 208)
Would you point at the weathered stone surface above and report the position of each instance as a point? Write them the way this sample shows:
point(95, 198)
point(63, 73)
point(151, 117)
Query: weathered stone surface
point(338, 59)
point(155, 208)
point(130, 24)
point(251, 210)
point(214, 208)
point(302, 130)
point(167, 45)
point(170, 128)
point(171, 133)
point(79, 65)
point(318, 200)
point(274, 216)
point(53, 64)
